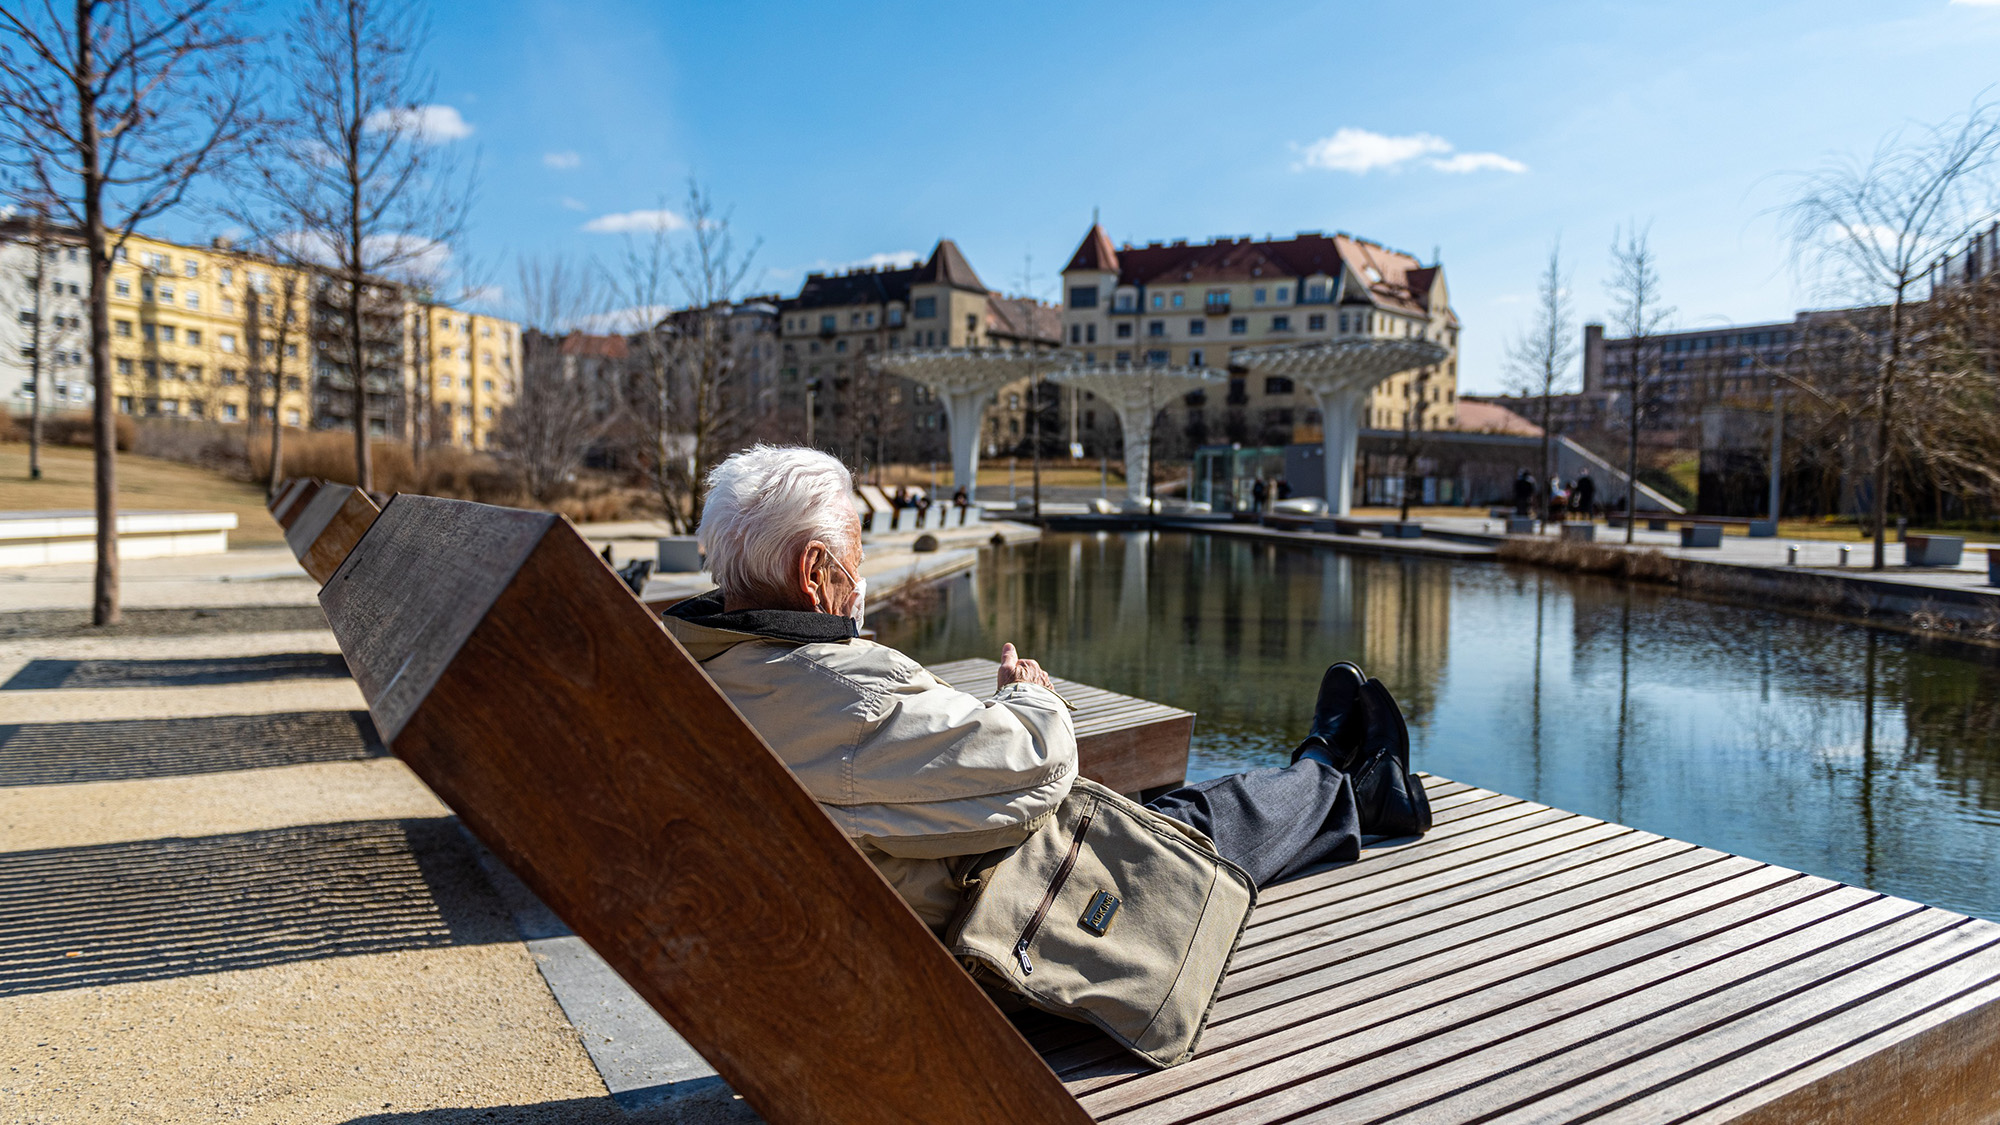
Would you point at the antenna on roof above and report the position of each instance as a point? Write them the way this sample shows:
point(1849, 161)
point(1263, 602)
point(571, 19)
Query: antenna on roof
point(1435, 253)
point(1093, 214)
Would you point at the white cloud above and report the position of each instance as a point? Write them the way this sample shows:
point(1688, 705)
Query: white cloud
point(561, 159)
point(1360, 151)
point(1478, 162)
point(406, 257)
point(631, 222)
point(572, 203)
point(892, 260)
point(433, 124)
point(485, 295)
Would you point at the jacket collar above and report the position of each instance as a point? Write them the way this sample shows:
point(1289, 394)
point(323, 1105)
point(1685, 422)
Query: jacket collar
point(702, 617)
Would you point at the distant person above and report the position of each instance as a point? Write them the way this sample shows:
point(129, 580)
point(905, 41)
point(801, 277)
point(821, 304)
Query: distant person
point(1585, 498)
point(1284, 489)
point(1260, 494)
point(1524, 493)
point(962, 502)
point(923, 503)
point(1558, 501)
point(897, 503)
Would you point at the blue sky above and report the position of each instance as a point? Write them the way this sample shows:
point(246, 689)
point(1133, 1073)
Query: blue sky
point(837, 133)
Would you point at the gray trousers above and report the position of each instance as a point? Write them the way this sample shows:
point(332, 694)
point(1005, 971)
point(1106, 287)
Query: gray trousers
point(1273, 823)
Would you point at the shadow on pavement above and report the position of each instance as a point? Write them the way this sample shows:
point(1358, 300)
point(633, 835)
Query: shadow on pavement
point(128, 749)
point(42, 675)
point(113, 913)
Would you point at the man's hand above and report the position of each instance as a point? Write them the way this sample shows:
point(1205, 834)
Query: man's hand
point(1014, 670)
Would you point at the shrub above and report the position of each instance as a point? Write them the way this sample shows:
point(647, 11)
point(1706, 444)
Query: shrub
point(76, 429)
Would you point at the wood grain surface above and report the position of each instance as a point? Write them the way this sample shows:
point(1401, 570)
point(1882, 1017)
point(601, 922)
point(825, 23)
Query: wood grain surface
point(582, 744)
point(1525, 964)
point(1128, 744)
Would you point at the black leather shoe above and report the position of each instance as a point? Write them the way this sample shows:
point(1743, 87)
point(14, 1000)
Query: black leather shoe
point(1391, 802)
point(1336, 724)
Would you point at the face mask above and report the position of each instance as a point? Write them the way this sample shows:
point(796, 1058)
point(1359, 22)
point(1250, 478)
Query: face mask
point(859, 609)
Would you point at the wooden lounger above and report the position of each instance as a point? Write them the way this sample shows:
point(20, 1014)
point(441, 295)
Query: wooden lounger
point(1518, 964)
point(293, 501)
point(327, 526)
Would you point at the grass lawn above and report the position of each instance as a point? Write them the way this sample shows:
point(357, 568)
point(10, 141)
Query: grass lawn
point(144, 483)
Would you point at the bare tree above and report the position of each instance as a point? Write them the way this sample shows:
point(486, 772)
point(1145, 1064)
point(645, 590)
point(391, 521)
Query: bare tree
point(1874, 229)
point(1636, 311)
point(361, 181)
point(1539, 359)
point(689, 402)
point(112, 112)
point(552, 423)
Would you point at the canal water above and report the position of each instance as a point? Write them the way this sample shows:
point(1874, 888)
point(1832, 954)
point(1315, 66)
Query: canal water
point(1859, 755)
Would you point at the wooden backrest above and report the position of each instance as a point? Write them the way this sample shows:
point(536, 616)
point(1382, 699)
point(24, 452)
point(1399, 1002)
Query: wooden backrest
point(288, 510)
point(514, 672)
point(328, 527)
point(282, 493)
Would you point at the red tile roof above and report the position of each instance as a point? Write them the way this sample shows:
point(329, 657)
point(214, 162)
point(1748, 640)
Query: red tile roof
point(1389, 278)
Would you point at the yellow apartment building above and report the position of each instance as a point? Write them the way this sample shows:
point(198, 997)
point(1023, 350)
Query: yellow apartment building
point(462, 371)
point(193, 329)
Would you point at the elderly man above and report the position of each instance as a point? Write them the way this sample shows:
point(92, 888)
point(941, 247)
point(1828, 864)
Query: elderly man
point(918, 773)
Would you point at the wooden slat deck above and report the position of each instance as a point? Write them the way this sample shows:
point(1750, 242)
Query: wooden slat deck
point(1525, 964)
point(1131, 745)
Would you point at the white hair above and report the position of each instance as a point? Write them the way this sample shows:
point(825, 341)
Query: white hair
point(765, 504)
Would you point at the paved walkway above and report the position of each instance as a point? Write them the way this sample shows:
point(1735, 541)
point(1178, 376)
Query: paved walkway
point(224, 901)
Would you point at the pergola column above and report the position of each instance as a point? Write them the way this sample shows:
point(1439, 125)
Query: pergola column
point(964, 379)
point(1138, 394)
point(1341, 374)
point(964, 410)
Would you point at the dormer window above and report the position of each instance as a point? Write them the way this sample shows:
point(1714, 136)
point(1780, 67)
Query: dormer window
point(1284, 293)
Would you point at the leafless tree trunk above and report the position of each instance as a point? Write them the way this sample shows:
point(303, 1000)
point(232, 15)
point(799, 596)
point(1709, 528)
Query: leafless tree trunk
point(44, 333)
point(362, 182)
point(1538, 361)
point(112, 112)
point(690, 402)
point(551, 424)
point(1639, 314)
point(288, 323)
point(1874, 229)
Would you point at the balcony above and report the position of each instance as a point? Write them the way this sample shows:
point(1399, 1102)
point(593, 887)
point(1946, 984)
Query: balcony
point(1217, 305)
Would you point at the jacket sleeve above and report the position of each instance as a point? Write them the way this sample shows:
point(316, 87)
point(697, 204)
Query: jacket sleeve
point(938, 772)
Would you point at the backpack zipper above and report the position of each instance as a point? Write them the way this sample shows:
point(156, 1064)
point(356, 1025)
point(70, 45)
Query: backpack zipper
point(1049, 900)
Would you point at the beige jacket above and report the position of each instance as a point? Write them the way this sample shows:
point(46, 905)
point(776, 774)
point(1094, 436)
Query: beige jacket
point(915, 772)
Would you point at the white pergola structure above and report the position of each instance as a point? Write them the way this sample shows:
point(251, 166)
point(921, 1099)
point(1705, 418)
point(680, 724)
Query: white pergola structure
point(965, 378)
point(1341, 374)
point(1138, 394)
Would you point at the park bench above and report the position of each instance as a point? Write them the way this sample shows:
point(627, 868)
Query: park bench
point(1519, 963)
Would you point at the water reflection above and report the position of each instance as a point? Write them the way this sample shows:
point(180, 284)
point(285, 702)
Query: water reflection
point(1863, 756)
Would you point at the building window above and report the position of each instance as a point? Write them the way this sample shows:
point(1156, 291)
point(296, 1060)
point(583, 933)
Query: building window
point(1124, 331)
point(229, 412)
point(147, 332)
point(1159, 300)
point(123, 288)
point(1178, 300)
point(226, 342)
point(1217, 302)
point(1316, 322)
point(122, 328)
point(1277, 385)
point(125, 369)
point(194, 337)
point(1083, 297)
point(1316, 291)
point(840, 346)
point(1284, 293)
point(1090, 333)
point(1157, 357)
point(1197, 328)
point(292, 350)
point(150, 369)
point(191, 268)
point(1156, 328)
point(124, 404)
point(1238, 325)
point(1126, 302)
point(1257, 295)
point(924, 308)
point(1076, 333)
point(228, 276)
point(1194, 358)
point(1281, 324)
point(192, 374)
point(895, 318)
point(1123, 357)
point(166, 333)
point(829, 324)
point(155, 261)
point(291, 417)
point(1014, 402)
